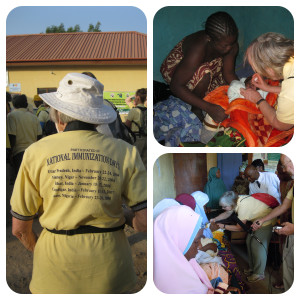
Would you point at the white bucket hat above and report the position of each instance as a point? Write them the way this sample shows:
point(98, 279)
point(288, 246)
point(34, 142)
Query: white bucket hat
point(81, 97)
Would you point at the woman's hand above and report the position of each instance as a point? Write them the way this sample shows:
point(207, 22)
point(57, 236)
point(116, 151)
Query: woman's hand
point(259, 82)
point(216, 112)
point(257, 224)
point(250, 95)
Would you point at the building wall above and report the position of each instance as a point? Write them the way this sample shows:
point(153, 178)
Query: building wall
point(211, 160)
point(114, 78)
point(163, 178)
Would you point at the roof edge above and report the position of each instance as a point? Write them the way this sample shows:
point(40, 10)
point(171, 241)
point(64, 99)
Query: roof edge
point(77, 33)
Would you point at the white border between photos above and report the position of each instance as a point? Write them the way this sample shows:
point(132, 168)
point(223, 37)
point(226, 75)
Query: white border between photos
point(154, 149)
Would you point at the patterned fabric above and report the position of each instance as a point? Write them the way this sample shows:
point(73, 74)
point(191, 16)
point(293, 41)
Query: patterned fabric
point(232, 267)
point(214, 68)
point(248, 121)
point(230, 137)
point(173, 122)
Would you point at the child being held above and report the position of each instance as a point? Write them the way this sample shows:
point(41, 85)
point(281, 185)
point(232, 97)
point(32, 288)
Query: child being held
point(234, 90)
point(210, 127)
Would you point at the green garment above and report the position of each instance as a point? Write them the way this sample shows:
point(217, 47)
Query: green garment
point(214, 188)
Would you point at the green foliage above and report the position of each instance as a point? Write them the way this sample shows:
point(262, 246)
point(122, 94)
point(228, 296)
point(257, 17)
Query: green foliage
point(76, 28)
point(95, 28)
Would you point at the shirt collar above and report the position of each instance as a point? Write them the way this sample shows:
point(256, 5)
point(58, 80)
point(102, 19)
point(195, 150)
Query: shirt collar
point(78, 125)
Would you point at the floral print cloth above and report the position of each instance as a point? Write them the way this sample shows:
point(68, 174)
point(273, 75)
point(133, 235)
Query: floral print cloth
point(173, 122)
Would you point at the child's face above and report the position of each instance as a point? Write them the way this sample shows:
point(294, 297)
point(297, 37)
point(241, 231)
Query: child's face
point(250, 85)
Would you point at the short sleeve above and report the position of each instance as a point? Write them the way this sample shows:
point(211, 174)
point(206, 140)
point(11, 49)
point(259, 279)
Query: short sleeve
point(135, 188)
point(11, 125)
point(43, 116)
point(285, 108)
point(25, 201)
point(131, 113)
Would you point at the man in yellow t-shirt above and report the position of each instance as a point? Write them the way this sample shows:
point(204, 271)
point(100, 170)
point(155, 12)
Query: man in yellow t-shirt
point(23, 129)
point(287, 227)
point(137, 122)
point(77, 186)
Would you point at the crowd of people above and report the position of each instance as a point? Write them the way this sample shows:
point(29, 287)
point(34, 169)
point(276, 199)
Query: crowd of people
point(192, 233)
point(83, 186)
point(203, 62)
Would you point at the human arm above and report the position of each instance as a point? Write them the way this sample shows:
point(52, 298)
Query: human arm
point(23, 231)
point(128, 123)
point(267, 110)
point(136, 219)
point(236, 227)
point(130, 117)
point(229, 64)
point(277, 211)
point(128, 101)
point(222, 216)
point(260, 83)
point(211, 246)
point(139, 221)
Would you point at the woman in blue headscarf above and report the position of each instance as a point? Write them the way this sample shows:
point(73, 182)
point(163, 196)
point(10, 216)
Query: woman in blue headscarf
point(214, 188)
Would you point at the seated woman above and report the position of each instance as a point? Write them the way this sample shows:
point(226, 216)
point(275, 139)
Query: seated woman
point(177, 233)
point(181, 255)
point(248, 208)
point(197, 65)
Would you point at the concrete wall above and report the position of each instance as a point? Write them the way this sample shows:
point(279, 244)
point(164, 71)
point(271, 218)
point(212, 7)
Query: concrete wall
point(163, 178)
point(211, 160)
point(172, 23)
point(114, 78)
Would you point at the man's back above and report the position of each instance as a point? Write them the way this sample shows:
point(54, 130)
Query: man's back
point(25, 126)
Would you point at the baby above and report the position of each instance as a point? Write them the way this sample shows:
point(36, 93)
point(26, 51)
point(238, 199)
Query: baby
point(210, 127)
point(245, 83)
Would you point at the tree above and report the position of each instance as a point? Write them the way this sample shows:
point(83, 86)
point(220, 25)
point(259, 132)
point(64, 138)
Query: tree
point(61, 29)
point(95, 28)
point(76, 28)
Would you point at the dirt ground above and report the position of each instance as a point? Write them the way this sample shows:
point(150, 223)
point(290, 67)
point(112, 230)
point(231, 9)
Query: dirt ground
point(19, 260)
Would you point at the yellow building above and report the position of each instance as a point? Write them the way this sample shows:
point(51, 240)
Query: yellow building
point(35, 63)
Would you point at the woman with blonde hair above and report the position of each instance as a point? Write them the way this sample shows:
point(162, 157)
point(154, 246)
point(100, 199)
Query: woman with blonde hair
point(271, 55)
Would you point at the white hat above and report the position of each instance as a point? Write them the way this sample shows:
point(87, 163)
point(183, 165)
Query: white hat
point(81, 97)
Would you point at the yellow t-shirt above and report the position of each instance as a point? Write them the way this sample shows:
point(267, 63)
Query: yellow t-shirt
point(285, 101)
point(78, 178)
point(249, 208)
point(25, 126)
point(136, 115)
